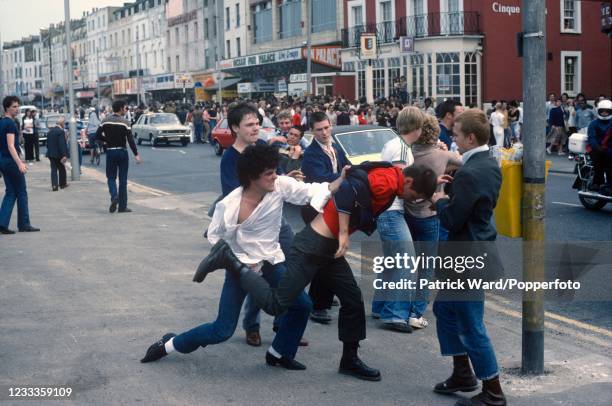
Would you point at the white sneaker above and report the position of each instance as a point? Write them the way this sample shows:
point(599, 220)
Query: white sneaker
point(548, 150)
point(421, 322)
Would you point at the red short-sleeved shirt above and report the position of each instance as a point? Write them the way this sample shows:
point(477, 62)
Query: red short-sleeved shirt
point(385, 185)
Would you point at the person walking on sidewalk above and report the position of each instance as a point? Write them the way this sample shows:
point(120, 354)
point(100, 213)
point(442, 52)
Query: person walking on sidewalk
point(115, 132)
point(57, 151)
point(467, 213)
point(13, 171)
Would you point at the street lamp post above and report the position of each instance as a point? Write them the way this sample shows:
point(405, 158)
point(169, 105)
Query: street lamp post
point(74, 151)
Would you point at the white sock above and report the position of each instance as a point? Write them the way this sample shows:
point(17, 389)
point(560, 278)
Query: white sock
point(169, 346)
point(272, 351)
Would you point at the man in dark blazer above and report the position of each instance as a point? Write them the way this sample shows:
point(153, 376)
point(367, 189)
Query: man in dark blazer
point(466, 212)
point(57, 152)
point(323, 162)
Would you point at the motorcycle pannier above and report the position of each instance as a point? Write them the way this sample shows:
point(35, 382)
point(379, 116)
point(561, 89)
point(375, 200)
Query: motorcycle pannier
point(577, 143)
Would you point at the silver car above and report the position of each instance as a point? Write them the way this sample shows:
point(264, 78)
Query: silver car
point(156, 127)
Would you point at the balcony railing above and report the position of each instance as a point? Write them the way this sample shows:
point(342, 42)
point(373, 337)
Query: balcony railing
point(419, 26)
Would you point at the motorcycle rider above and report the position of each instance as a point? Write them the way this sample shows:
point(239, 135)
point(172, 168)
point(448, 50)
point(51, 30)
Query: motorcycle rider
point(600, 147)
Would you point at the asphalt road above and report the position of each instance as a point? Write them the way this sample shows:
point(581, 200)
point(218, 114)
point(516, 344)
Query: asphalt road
point(184, 171)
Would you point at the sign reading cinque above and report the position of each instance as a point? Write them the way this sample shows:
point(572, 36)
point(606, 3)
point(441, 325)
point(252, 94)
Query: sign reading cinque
point(503, 9)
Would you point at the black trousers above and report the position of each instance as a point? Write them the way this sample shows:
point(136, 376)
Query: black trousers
point(36, 147)
point(28, 141)
point(313, 256)
point(601, 164)
point(57, 166)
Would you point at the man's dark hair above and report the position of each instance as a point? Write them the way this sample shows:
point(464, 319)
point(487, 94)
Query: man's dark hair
point(254, 161)
point(424, 179)
point(8, 101)
point(118, 105)
point(299, 128)
point(238, 111)
point(317, 117)
point(447, 106)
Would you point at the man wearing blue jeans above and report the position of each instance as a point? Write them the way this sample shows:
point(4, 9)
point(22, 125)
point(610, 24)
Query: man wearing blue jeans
point(467, 213)
point(249, 220)
point(115, 133)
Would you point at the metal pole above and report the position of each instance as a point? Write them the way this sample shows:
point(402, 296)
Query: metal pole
point(533, 204)
point(42, 88)
point(369, 82)
point(184, 96)
point(74, 151)
point(98, 75)
point(220, 48)
point(1, 68)
point(309, 52)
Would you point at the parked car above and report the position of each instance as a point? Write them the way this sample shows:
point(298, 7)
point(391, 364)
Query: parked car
point(156, 127)
point(222, 137)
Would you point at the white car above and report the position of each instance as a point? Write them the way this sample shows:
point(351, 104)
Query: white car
point(156, 127)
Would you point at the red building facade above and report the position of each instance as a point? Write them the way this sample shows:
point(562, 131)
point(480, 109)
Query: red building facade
point(466, 49)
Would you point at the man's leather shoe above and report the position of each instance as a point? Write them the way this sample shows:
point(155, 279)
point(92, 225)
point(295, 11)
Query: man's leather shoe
point(65, 186)
point(253, 338)
point(286, 363)
point(484, 398)
point(126, 210)
point(54, 188)
point(28, 229)
point(158, 349)
point(113, 206)
point(220, 257)
point(462, 378)
point(320, 316)
point(355, 367)
point(5, 230)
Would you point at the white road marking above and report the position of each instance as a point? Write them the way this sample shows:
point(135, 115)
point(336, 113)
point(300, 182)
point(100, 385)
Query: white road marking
point(175, 150)
point(567, 204)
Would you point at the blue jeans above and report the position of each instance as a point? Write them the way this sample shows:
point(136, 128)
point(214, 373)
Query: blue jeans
point(394, 305)
point(16, 191)
point(291, 324)
point(117, 160)
point(426, 234)
point(212, 123)
point(252, 318)
point(461, 331)
point(198, 129)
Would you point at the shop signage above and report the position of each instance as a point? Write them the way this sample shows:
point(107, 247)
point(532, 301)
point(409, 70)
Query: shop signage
point(406, 45)
point(268, 57)
point(606, 17)
point(324, 55)
point(503, 9)
point(282, 85)
point(183, 18)
point(158, 82)
point(245, 87)
point(178, 81)
point(368, 48)
point(297, 77)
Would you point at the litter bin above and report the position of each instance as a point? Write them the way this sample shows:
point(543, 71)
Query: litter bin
point(508, 209)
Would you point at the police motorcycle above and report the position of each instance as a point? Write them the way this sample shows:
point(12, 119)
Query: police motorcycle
point(590, 199)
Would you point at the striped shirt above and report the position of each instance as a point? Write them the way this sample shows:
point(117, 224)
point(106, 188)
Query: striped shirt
point(115, 132)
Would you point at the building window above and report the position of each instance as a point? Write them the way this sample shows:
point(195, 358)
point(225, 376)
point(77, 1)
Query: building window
point(238, 49)
point(379, 78)
point(177, 67)
point(418, 76)
point(361, 84)
point(394, 74)
point(386, 25)
point(571, 72)
point(570, 16)
point(237, 15)
point(447, 76)
point(290, 17)
point(229, 50)
point(323, 15)
point(262, 22)
point(206, 28)
point(227, 19)
point(471, 79)
point(195, 31)
point(176, 35)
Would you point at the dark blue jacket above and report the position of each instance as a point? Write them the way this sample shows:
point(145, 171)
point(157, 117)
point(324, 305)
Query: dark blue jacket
point(56, 143)
point(317, 166)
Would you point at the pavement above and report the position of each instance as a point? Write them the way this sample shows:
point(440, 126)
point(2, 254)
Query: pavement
point(561, 164)
point(85, 297)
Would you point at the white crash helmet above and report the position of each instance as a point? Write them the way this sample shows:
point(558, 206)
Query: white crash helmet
point(604, 105)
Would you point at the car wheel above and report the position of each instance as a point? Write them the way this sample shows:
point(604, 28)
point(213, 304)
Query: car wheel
point(153, 140)
point(138, 139)
point(218, 148)
point(184, 142)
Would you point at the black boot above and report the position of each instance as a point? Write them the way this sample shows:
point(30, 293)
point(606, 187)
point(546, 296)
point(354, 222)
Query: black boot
point(350, 364)
point(462, 379)
point(491, 395)
point(158, 349)
point(286, 363)
point(220, 257)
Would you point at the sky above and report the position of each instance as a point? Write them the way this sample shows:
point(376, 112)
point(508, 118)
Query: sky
point(21, 18)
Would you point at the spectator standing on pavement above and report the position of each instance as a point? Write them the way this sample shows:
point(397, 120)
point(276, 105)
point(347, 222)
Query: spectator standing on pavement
point(447, 111)
point(428, 108)
point(584, 112)
point(497, 122)
point(27, 128)
point(197, 119)
point(57, 152)
point(115, 132)
point(466, 212)
point(557, 135)
point(92, 126)
point(13, 171)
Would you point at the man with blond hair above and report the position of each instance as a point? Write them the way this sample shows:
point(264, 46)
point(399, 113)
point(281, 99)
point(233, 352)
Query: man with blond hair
point(466, 212)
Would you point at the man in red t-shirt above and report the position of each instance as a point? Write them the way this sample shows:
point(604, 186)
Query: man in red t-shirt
point(320, 247)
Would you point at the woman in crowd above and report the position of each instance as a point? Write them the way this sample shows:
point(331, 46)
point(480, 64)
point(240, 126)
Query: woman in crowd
point(497, 121)
point(27, 128)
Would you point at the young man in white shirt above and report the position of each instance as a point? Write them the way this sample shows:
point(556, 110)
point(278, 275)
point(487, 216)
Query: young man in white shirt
point(249, 220)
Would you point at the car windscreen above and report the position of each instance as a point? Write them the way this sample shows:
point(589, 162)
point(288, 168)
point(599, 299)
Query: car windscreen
point(164, 119)
point(365, 142)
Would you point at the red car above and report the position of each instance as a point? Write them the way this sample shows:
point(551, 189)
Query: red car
point(222, 137)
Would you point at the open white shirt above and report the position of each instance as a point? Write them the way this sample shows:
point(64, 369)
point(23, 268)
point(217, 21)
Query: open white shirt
point(256, 239)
